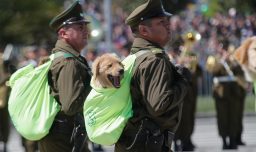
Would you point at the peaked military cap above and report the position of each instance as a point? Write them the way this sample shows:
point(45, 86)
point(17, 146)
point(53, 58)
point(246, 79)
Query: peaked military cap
point(150, 9)
point(72, 15)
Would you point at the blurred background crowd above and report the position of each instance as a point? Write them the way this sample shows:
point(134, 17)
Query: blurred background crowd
point(24, 27)
point(207, 25)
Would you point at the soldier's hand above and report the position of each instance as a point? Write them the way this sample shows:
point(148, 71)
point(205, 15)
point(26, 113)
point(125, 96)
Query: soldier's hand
point(183, 71)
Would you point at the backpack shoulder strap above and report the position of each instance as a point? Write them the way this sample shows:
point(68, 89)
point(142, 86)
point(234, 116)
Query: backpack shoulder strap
point(63, 54)
point(68, 55)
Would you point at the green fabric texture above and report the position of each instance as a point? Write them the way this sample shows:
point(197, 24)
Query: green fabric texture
point(106, 110)
point(31, 107)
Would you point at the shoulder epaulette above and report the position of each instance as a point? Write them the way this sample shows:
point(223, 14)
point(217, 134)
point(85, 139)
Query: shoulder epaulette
point(63, 54)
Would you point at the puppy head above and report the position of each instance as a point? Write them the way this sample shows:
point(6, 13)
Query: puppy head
point(252, 55)
point(241, 53)
point(246, 55)
point(107, 71)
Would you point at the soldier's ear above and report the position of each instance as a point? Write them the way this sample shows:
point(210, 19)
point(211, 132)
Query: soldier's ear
point(62, 33)
point(143, 30)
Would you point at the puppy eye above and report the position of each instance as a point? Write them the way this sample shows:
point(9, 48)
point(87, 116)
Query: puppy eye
point(109, 66)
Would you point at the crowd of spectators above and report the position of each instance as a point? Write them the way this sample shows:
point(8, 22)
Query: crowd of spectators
point(232, 27)
point(229, 27)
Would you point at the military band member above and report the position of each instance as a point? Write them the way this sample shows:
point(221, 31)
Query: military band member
point(229, 93)
point(186, 56)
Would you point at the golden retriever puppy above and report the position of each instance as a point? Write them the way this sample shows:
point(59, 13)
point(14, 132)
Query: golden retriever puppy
point(107, 71)
point(246, 56)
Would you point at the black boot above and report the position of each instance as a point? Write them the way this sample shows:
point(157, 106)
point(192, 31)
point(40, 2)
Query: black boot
point(187, 145)
point(178, 145)
point(5, 147)
point(239, 141)
point(191, 143)
point(225, 145)
point(232, 143)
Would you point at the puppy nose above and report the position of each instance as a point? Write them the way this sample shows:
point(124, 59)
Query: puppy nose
point(121, 71)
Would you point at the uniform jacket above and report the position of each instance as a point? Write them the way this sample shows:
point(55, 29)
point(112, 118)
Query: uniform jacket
point(156, 88)
point(221, 90)
point(157, 91)
point(4, 115)
point(69, 79)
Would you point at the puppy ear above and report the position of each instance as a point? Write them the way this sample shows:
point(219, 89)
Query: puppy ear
point(95, 67)
point(241, 53)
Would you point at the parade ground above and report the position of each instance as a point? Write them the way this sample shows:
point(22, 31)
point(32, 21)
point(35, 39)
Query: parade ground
point(205, 136)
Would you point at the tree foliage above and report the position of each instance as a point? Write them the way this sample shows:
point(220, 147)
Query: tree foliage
point(242, 6)
point(26, 21)
point(172, 6)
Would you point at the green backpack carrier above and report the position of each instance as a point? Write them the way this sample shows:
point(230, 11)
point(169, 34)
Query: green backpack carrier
point(106, 110)
point(31, 107)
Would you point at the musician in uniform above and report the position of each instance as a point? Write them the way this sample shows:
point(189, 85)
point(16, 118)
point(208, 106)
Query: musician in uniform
point(183, 53)
point(228, 93)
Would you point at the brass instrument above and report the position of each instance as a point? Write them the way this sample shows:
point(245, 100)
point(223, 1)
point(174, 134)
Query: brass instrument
point(188, 58)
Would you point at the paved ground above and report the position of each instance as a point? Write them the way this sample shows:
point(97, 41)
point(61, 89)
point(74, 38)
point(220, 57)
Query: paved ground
point(207, 140)
point(205, 137)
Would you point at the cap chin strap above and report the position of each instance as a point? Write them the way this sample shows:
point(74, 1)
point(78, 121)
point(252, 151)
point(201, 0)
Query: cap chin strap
point(73, 20)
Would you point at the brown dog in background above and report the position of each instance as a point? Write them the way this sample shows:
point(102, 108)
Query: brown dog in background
point(246, 56)
point(107, 71)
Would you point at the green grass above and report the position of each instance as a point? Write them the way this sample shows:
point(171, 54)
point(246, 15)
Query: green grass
point(205, 104)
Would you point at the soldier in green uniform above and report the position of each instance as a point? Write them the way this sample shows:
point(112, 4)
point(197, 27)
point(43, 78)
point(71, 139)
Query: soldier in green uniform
point(157, 86)
point(69, 80)
point(228, 91)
